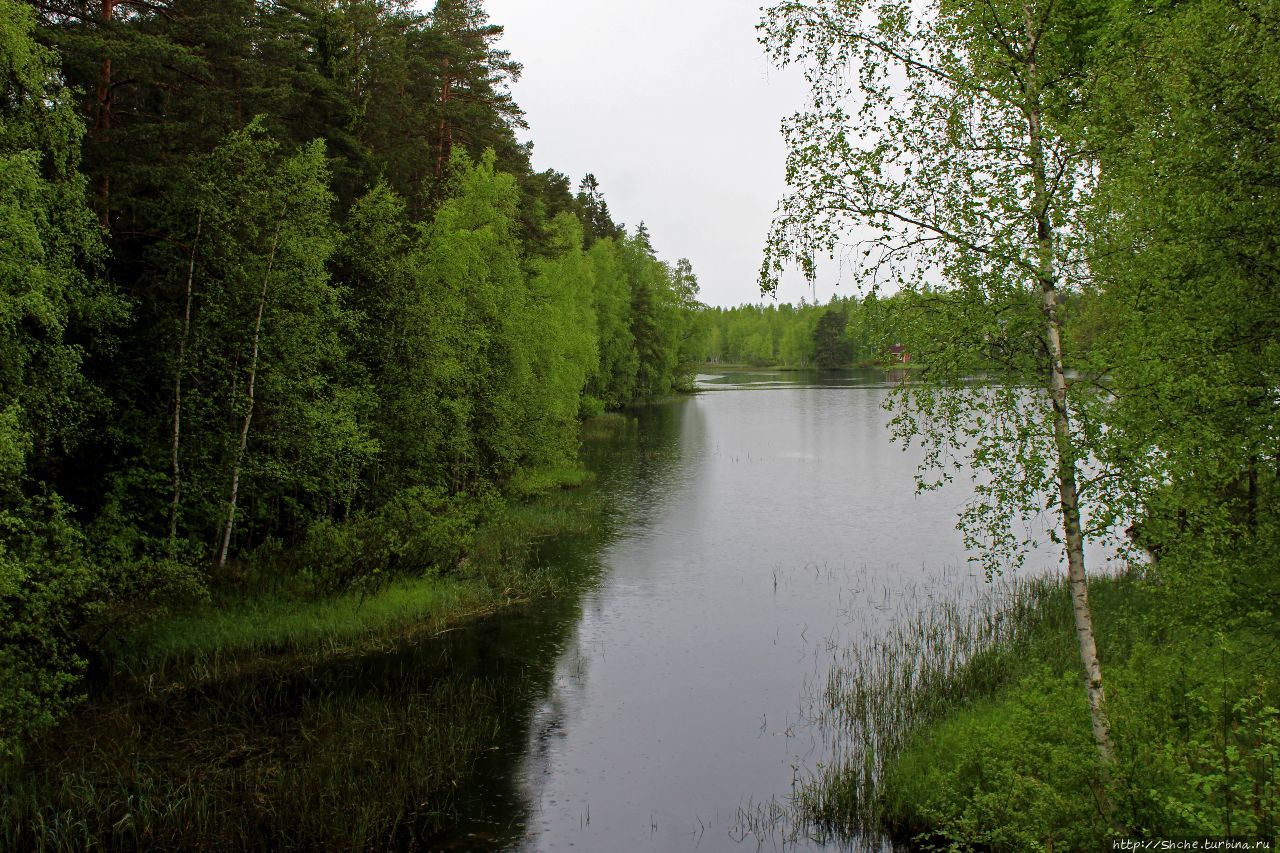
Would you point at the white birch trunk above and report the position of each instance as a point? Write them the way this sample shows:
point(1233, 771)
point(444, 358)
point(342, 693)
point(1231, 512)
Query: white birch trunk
point(1068, 493)
point(248, 415)
point(176, 469)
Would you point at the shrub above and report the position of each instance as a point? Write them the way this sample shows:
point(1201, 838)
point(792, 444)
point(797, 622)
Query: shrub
point(1009, 774)
point(421, 530)
point(46, 582)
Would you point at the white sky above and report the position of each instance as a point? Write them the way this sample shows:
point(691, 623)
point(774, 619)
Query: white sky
point(675, 108)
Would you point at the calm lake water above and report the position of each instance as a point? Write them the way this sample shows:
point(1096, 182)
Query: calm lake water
point(757, 528)
point(666, 699)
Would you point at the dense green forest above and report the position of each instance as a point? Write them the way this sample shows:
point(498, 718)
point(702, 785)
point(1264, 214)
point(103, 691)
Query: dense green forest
point(847, 331)
point(279, 283)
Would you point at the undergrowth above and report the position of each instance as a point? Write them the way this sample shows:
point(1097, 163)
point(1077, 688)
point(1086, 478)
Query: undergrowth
point(286, 719)
point(967, 728)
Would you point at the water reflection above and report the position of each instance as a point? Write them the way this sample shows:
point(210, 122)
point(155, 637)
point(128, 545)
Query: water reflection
point(752, 532)
point(635, 458)
point(755, 532)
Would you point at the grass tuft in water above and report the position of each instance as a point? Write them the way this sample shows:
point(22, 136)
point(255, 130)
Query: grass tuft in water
point(349, 722)
point(939, 653)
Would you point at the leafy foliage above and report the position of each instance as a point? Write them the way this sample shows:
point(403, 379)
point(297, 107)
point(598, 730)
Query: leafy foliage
point(324, 319)
point(1073, 200)
point(49, 303)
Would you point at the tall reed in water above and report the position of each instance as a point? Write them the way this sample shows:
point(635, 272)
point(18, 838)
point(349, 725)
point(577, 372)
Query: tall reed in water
point(937, 653)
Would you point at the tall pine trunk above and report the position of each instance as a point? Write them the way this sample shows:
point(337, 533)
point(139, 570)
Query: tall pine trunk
point(248, 415)
point(1068, 492)
point(445, 132)
point(102, 118)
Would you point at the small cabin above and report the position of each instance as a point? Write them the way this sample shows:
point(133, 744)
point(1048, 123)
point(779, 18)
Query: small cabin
point(898, 354)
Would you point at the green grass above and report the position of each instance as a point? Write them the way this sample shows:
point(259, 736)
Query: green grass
point(972, 732)
point(1006, 773)
point(215, 637)
point(536, 481)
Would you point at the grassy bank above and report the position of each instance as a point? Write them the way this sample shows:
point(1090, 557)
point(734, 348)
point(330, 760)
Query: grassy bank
point(244, 629)
point(968, 729)
point(269, 721)
point(242, 626)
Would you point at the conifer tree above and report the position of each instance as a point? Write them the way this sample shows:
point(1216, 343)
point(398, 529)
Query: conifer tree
point(49, 301)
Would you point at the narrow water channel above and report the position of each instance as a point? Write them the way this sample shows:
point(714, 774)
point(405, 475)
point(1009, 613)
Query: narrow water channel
point(758, 527)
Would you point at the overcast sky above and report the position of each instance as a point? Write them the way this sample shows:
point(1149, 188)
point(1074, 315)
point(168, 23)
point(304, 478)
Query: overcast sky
point(674, 107)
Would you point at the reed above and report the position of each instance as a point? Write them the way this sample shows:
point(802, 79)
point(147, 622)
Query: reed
point(938, 654)
point(247, 767)
point(269, 722)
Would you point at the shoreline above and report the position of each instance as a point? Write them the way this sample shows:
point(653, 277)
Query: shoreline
point(993, 749)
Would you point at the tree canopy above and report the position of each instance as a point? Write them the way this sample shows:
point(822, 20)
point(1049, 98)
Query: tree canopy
point(278, 278)
point(1072, 202)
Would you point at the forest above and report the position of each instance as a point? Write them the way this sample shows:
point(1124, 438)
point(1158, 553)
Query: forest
point(299, 355)
point(843, 332)
point(279, 280)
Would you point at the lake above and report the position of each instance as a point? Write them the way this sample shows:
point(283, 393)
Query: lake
point(668, 697)
point(758, 527)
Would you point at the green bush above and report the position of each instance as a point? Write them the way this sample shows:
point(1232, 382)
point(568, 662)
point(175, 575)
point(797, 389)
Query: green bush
point(420, 531)
point(46, 582)
point(1228, 777)
point(1011, 774)
point(63, 601)
point(1199, 733)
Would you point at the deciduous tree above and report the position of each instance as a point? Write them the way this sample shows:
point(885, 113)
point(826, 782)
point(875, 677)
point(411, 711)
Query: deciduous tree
point(940, 131)
point(50, 301)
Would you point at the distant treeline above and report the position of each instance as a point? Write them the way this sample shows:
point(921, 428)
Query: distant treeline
point(281, 292)
point(847, 331)
point(844, 332)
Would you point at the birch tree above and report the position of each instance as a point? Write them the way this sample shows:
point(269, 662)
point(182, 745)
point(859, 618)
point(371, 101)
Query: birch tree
point(936, 152)
point(274, 413)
